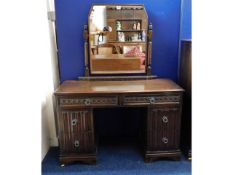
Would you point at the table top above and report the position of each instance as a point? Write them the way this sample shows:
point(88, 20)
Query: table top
point(117, 87)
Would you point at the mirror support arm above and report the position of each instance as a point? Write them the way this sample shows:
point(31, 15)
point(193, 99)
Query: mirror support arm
point(149, 56)
point(87, 72)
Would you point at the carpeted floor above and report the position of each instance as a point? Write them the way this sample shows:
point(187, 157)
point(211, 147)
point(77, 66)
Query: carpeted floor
point(116, 160)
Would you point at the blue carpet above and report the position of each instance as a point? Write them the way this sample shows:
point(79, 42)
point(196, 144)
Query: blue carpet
point(116, 160)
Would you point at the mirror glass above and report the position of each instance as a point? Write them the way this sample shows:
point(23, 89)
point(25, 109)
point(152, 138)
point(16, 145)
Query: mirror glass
point(118, 39)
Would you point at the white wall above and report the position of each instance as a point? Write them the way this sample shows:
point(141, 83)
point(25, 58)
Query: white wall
point(99, 20)
point(48, 133)
point(27, 81)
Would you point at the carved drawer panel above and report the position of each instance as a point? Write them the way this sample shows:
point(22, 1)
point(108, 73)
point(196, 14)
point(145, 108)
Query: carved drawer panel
point(89, 101)
point(163, 128)
point(150, 99)
point(75, 121)
point(77, 143)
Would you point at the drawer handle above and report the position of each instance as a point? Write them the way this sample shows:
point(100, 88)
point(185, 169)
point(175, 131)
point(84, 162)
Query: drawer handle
point(152, 100)
point(74, 122)
point(76, 143)
point(165, 119)
point(165, 140)
point(87, 101)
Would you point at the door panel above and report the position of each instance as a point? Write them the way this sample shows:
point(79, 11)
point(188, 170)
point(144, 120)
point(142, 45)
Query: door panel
point(163, 128)
point(76, 121)
point(76, 131)
point(77, 143)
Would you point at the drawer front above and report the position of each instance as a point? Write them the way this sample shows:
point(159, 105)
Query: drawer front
point(163, 128)
point(77, 143)
point(150, 99)
point(75, 121)
point(89, 101)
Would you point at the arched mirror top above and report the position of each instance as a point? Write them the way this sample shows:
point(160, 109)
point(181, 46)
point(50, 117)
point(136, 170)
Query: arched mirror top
point(118, 40)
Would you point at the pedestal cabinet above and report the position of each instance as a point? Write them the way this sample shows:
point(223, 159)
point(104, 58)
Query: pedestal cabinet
point(163, 132)
point(75, 118)
point(76, 135)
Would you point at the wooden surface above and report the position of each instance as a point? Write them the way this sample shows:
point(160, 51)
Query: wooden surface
point(76, 100)
point(119, 78)
point(186, 83)
point(186, 66)
point(108, 87)
point(115, 62)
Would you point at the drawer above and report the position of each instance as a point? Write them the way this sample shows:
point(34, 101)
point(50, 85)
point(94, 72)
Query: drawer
point(150, 99)
point(163, 128)
point(77, 143)
point(75, 121)
point(89, 101)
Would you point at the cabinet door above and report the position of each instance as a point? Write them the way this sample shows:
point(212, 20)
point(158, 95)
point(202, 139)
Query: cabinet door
point(75, 121)
point(77, 143)
point(76, 131)
point(163, 128)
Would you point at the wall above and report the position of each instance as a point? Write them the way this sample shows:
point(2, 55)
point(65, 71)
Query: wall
point(26, 86)
point(185, 24)
point(48, 132)
point(71, 15)
point(99, 18)
point(46, 114)
point(186, 19)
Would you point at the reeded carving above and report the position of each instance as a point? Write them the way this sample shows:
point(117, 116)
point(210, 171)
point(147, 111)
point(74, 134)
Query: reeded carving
point(151, 99)
point(90, 101)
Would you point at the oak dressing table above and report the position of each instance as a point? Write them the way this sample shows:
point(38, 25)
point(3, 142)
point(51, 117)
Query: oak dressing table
point(76, 99)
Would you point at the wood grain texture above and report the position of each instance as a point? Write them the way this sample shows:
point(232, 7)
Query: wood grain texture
point(86, 53)
point(115, 63)
point(75, 102)
point(163, 124)
point(76, 136)
point(163, 132)
point(119, 87)
point(81, 131)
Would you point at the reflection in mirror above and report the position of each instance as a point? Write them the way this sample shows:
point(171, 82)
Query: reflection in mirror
point(118, 39)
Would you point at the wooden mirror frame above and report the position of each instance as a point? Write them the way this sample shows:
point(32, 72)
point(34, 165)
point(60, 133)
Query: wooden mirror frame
point(148, 68)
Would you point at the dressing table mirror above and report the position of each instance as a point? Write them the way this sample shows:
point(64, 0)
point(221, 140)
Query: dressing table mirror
point(118, 41)
point(118, 47)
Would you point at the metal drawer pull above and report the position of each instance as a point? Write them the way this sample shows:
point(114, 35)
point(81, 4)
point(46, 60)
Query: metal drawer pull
point(76, 143)
point(165, 119)
point(87, 101)
point(152, 100)
point(74, 122)
point(165, 140)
